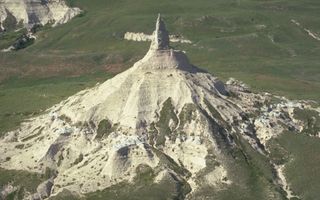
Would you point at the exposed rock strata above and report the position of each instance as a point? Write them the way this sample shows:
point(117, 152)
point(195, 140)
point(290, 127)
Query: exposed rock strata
point(31, 12)
point(139, 37)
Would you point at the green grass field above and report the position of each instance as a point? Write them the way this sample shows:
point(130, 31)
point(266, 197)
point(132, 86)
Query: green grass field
point(302, 163)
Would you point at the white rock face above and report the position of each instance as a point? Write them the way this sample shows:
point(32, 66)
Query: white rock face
point(145, 37)
point(3, 16)
point(161, 107)
point(137, 36)
point(31, 12)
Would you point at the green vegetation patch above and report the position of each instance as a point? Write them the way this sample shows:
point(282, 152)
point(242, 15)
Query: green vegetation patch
point(213, 111)
point(16, 195)
point(187, 114)
point(9, 38)
point(152, 133)
point(278, 154)
point(143, 188)
point(105, 128)
point(10, 23)
point(19, 146)
point(216, 115)
point(250, 172)
point(144, 173)
point(60, 159)
point(167, 161)
point(167, 116)
point(23, 42)
point(66, 195)
point(26, 180)
point(311, 120)
point(78, 160)
point(65, 118)
point(302, 171)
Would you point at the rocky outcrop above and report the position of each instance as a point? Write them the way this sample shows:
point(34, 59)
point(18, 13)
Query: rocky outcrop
point(22, 42)
point(43, 190)
point(27, 13)
point(160, 36)
point(139, 37)
point(162, 42)
point(163, 114)
point(3, 16)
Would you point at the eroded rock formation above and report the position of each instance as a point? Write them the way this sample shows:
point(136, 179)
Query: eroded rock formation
point(162, 114)
point(27, 13)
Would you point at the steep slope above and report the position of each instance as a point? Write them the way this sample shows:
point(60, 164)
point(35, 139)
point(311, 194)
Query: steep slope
point(162, 115)
point(27, 13)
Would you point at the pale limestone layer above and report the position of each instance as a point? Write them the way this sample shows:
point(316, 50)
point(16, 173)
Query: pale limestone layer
point(142, 37)
point(31, 12)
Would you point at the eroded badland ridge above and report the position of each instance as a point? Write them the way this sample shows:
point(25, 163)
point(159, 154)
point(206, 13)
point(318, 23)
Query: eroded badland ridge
point(27, 13)
point(163, 119)
point(31, 15)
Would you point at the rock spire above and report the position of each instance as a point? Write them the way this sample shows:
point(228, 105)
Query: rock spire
point(160, 39)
